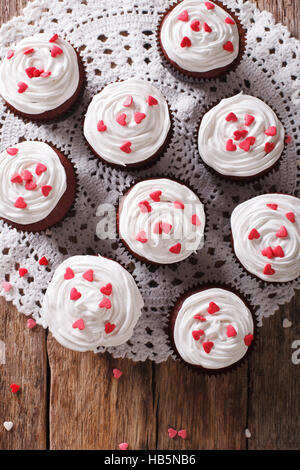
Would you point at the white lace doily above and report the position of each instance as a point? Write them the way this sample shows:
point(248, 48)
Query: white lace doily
point(117, 40)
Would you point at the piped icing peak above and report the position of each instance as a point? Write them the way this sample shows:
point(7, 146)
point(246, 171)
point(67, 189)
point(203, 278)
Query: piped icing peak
point(86, 311)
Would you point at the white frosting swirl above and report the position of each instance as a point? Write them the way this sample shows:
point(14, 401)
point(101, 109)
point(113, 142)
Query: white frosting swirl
point(29, 155)
point(255, 214)
point(167, 226)
point(43, 93)
point(206, 51)
point(225, 350)
point(60, 312)
point(215, 131)
point(145, 137)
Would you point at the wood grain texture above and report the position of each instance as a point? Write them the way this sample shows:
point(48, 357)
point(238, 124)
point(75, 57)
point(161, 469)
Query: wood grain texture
point(91, 410)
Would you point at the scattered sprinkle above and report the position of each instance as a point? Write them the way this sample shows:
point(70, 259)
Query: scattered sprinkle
point(6, 286)
point(286, 323)
point(117, 373)
point(247, 433)
point(182, 433)
point(123, 446)
point(23, 272)
point(79, 324)
point(172, 433)
point(31, 323)
point(14, 388)
point(8, 425)
point(43, 261)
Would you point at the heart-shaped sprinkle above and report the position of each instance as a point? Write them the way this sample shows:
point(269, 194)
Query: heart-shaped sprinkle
point(16, 178)
point(207, 28)
point(246, 144)
point(231, 331)
point(101, 127)
point(8, 425)
point(209, 6)
point(182, 433)
point(268, 270)
point(197, 334)
point(46, 190)
point(121, 119)
point(23, 272)
point(26, 175)
point(178, 205)
point(54, 38)
point(199, 317)
point(286, 323)
point(228, 46)
point(157, 228)
point(88, 275)
point(213, 308)
point(12, 151)
point(79, 324)
point(291, 217)
point(186, 42)
point(30, 50)
point(46, 74)
point(249, 119)
point(10, 53)
point(75, 294)
point(230, 146)
point(29, 71)
point(195, 220)
point(231, 117)
point(207, 346)
point(20, 203)
point(109, 327)
point(105, 303)
point(268, 252)
point(184, 16)
point(138, 117)
point(166, 227)
point(36, 73)
point(40, 168)
point(117, 373)
point(145, 206)
point(22, 87)
point(269, 147)
point(271, 131)
point(195, 26)
point(282, 232)
point(30, 186)
point(69, 274)
point(254, 234)
point(238, 135)
point(288, 139)
point(14, 388)
point(152, 101)
point(176, 249)
point(43, 261)
point(126, 147)
point(248, 340)
point(31, 323)
point(274, 207)
point(128, 101)
point(229, 20)
point(6, 286)
point(172, 433)
point(141, 237)
point(278, 252)
point(55, 51)
point(155, 196)
point(106, 290)
point(123, 446)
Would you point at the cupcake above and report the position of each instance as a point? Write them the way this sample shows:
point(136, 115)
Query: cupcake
point(41, 78)
point(38, 186)
point(91, 302)
point(201, 39)
point(211, 329)
point(241, 138)
point(266, 236)
point(128, 123)
point(161, 221)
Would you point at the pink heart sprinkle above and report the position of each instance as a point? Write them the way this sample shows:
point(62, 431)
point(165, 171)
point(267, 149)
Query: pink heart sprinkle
point(46, 74)
point(88, 275)
point(101, 126)
point(26, 175)
point(144, 207)
point(126, 147)
point(20, 203)
point(128, 101)
point(176, 249)
point(231, 331)
point(213, 308)
point(231, 117)
point(178, 205)
point(166, 227)
point(74, 294)
point(291, 217)
point(209, 6)
point(121, 119)
point(55, 51)
point(207, 346)
point(123, 446)
point(249, 119)
point(197, 334)
point(23, 272)
point(274, 207)
point(254, 234)
point(248, 340)
point(207, 28)
point(12, 151)
point(268, 270)
point(31, 323)
point(229, 20)
point(185, 42)
point(109, 327)
point(79, 324)
point(271, 131)
point(30, 186)
point(282, 232)
point(46, 190)
point(268, 252)
point(200, 317)
point(238, 135)
point(278, 252)
point(30, 50)
point(10, 53)
point(54, 38)
point(117, 373)
point(138, 117)
point(6, 286)
point(105, 303)
point(69, 274)
point(269, 147)
point(155, 196)
point(195, 26)
point(43, 261)
point(152, 101)
point(172, 433)
point(157, 228)
point(106, 290)
point(184, 16)
point(22, 87)
point(230, 146)
point(182, 433)
point(195, 220)
point(228, 46)
point(141, 237)
point(29, 71)
point(16, 178)
point(40, 168)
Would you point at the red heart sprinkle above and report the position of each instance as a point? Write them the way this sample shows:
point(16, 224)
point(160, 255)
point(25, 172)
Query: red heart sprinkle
point(40, 168)
point(152, 101)
point(138, 117)
point(231, 117)
point(26, 175)
point(184, 16)
point(128, 101)
point(195, 220)
point(46, 190)
point(231, 331)
point(145, 206)
point(269, 147)
point(248, 340)
point(229, 20)
point(141, 237)
point(290, 216)
point(20, 203)
point(178, 205)
point(23, 272)
point(12, 151)
point(197, 334)
point(253, 234)
point(88, 275)
point(230, 146)
point(209, 6)
point(274, 207)
point(31, 323)
point(123, 446)
point(213, 308)
point(288, 139)
point(195, 26)
point(30, 186)
point(268, 270)
point(79, 324)
point(199, 317)
point(121, 119)
point(46, 74)
point(105, 303)
point(172, 433)
point(106, 290)
point(176, 249)
point(69, 274)
point(185, 42)
point(101, 126)
point(55, 51)
point(238, 135)
point(43, 261)
point(246, 144)
point(126, 147)
point(155, 196)
point(16, 178)
point(207, 28)
point(278, 252)
point(14, 388)
point(36, 73)
point(22, 87)
point(30, 50)
point(157, 228)
point(10, 54)
point(6, 286)
point(282, 232)
point(166, 227)
point(271, 131)
point(117, 373)
point(29, 71)
point(228, 46)
point(182, 433)
point(249, 119)
point(207, 346)
point(109, 327)
point(54, 38)
point(75, 294)
point(268, 252)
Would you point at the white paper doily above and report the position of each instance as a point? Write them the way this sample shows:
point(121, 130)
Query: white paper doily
point(117, 40)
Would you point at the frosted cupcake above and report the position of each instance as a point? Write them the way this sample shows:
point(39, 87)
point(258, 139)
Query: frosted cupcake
point(91, 302)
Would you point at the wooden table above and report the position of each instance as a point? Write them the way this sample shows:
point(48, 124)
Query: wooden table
point(69, 400)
